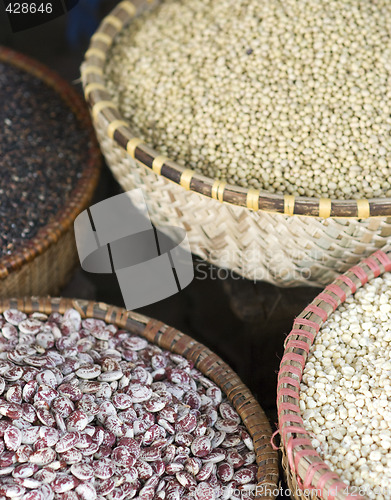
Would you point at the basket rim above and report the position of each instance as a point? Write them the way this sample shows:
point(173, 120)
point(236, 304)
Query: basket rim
point(205, 360)
point(83, 190)
point(302, 461)
point(103, 108)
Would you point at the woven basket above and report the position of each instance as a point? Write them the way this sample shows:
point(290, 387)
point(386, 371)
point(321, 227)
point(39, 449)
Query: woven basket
point(44, 263)
point(247, 230)
point(204, 360)
point(304, 468)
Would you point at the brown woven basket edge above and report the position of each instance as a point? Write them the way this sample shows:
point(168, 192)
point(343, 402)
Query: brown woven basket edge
point(81, 194)
point(169, 338)
point(118, 129)
point(299, 459)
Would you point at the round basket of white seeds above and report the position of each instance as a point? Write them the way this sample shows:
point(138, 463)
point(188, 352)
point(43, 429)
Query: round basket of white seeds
point(334, 388)
point(235, 115)
point(98, 403)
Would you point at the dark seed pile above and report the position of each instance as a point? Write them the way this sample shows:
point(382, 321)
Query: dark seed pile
point(42, 150)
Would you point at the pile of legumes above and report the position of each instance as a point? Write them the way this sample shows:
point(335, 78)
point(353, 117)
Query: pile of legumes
point(346, 389)
point(291, 97)
point(90, 411)
point(42, 149)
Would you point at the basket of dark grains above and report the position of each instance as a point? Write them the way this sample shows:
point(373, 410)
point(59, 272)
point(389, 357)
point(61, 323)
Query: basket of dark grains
point(49, 163)
point(101, 403)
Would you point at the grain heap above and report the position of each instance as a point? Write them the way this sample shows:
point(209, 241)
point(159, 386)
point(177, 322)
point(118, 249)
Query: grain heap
point(291, 97)
point(42, 149)
point(90, 411)
point(346, 389)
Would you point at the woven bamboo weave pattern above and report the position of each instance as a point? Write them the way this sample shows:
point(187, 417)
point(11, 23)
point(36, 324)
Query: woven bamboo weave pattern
point(255, 233)
point(305, 470)
point(277, 248)
point(44, 263)
point(204, 360)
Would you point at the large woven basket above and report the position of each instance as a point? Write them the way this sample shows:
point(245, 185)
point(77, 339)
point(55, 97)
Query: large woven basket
point(44, 263)
point(204, 360)
point(249, 231)
point(305, 470)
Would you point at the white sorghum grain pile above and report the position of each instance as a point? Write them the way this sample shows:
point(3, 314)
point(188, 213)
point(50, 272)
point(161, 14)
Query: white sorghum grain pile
point(290, 96)
point(91, 412)
point(346, 389)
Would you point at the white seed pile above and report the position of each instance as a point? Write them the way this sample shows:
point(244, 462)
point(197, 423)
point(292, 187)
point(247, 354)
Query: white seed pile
point(91, 412)
point(292, 97)
point(346, 390)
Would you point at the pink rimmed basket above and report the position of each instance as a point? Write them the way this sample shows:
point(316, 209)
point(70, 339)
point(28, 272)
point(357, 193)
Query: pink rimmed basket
point(305, 470)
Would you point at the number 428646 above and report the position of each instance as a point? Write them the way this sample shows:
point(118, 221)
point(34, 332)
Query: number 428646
point(29, 8)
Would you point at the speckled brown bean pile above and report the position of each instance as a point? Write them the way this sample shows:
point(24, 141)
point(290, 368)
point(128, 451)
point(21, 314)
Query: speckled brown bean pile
point(42, 152)
point(290, 96)
point(92, 412)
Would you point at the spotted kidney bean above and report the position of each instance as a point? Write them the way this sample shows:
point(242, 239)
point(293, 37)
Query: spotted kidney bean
point(46, 475)
point(70, 391)
point(25, 470)
point(104, 468)
point(243, 476)
point(105, 487)
point(63, 406)
point(66, 442)
point(86, 491)
point(123, 457)
point(131, 445)
point(12, 438)
point(201, 446)
point(23, 453)
point(43, 457)
point(77, 421)
point(82, 471)
point(204, 491)
point(64, 482)
point(206, 470)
